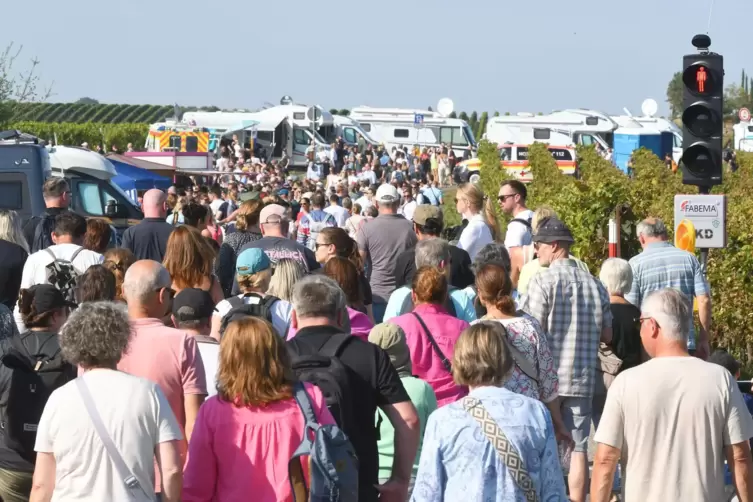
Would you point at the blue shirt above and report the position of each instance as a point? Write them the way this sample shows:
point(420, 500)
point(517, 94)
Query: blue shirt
point(661, 265)
point(458, 463)
point(464, 308)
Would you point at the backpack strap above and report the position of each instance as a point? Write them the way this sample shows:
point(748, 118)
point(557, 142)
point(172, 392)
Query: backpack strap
point(445, 362)
point(304, 403)
point(75, 254)
point(527, 223)
point(334, 345)
point(49, 252)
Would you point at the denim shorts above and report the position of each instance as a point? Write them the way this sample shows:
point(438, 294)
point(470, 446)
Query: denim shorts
point(576, 413)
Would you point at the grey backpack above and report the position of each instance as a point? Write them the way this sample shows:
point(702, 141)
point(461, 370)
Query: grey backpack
point(333, 464)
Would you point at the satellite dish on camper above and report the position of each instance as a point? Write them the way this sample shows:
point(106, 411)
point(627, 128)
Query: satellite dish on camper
point(314, 114)
point(445, 107)
point(286, 100)
point(649, 107)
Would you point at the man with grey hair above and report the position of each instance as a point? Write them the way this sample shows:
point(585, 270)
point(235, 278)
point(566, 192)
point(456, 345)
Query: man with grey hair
point(380, 242)
point(661, 265)
point(166, 356)
point(675, 411)
point(434, 252)
point(360, 377)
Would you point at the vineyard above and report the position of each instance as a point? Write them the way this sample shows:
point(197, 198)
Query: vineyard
point(79, 113)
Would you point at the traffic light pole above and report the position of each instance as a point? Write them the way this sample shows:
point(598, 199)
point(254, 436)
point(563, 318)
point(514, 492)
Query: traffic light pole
point(704, 190)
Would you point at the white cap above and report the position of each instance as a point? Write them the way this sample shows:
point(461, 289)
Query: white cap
point(387, 194)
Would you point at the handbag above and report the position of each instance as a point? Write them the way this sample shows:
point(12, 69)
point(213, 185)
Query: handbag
point(129, 480)
point(505, 449)
point(445, 362)
point(609, 363)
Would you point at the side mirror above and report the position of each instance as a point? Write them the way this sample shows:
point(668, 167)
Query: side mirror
point(113, 210)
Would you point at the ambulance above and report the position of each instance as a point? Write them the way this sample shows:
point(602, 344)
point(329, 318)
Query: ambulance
point(514, 158)
point(173, 137)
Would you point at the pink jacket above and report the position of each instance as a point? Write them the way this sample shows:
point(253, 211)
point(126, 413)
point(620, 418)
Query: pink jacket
point(243, 453)
point(360, 325)
point(427, 365)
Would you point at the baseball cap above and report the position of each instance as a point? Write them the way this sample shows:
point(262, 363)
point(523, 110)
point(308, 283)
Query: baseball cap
point(387, 194)
point(252, 261)
point(193, 304)
point(246, 196)
point(47, 297)
point(553, 230)
point(272, 213)
point(283, 191)
point(424, 212)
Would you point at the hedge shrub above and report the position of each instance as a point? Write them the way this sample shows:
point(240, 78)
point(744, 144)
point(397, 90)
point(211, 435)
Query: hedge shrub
point(92, 133)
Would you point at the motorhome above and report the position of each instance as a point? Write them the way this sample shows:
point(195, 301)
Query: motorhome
point(583, 127)
point(398, 126)
point(350, 131)
point(743, 136)
point(283, 131)
point(25, 164)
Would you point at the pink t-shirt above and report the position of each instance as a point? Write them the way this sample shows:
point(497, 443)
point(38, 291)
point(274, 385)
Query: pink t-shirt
point(243, 453)
point(170, 358)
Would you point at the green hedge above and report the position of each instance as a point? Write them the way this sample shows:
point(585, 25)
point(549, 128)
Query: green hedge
point(587, 204)
point(92, 133)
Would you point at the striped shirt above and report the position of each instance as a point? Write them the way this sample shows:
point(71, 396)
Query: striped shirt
point(573, 307)
point(661, 265)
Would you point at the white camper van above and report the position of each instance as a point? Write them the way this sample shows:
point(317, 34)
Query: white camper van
point(583, 127)
point(397, 126)
point(350, 131)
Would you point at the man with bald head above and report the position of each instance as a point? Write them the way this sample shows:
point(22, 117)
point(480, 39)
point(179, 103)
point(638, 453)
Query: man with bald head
point(166, 356)
point(148, 239)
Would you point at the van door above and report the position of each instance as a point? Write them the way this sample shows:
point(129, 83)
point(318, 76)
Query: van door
point(300, 145)
point(91, 196)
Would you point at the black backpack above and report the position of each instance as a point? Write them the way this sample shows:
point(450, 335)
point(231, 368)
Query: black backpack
point(324, 369)
point(240, 309)
point(43, 233)
point(448, 304)
point(31, 380)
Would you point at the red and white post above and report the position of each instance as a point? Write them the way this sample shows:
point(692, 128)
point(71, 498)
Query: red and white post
point(614, 238)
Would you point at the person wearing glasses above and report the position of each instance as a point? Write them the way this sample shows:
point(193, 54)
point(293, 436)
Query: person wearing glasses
point(512, 201)
point(164, 355)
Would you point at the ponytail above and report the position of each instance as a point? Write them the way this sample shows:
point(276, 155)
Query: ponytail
point(490, 217)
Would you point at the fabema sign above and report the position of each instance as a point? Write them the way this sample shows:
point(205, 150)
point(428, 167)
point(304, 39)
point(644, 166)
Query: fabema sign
point(709, 216)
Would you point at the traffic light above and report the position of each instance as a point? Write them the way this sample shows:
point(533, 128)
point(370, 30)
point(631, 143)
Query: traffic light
point(702, 116)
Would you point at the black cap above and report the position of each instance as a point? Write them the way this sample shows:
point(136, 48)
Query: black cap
point(552, 230)
point(193, 304)
point(48, 297)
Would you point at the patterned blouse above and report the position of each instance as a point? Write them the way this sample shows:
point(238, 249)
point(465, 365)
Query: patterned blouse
point(526, 335)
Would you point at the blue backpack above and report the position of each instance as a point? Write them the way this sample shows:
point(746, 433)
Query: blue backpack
point(333, 464)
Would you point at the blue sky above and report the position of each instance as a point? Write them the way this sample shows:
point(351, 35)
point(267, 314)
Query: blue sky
point(531, 55)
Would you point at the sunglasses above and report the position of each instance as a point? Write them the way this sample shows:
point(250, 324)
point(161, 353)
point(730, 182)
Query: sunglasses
point(318, 245)
point(503, 198)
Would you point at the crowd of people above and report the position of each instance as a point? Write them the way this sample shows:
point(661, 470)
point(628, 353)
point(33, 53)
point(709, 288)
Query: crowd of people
point(272, 339)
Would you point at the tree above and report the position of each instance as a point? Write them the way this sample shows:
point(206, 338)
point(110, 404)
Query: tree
point(481, 126)
point(473, 121)
point(453, 115)
point(496, 114)
point(18, 87)
point(344, 112)
point(87, 101)
point(674, 95)
point(429, 108)
point(463, 116)
point(333, 111)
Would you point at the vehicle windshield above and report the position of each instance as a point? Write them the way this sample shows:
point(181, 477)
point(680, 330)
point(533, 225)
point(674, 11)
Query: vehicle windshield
point(469, 135)
point(365, 135)
point(317, 137)
point(115, 187)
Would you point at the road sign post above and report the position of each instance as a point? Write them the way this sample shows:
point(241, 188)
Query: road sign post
point(418, 123)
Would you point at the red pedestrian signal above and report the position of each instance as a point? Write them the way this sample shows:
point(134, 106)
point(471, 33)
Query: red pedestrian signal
point(700, 77)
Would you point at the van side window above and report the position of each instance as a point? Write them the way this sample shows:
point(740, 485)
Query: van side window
point(11, 195)
point(402, 133)
point(175, 141)
point(350, 135)
point(192, 144)
point(91, 201)
point(452, 136)
point(366, 126)
point(300, 137)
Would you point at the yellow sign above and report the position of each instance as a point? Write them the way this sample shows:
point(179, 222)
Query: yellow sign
point(685, 240)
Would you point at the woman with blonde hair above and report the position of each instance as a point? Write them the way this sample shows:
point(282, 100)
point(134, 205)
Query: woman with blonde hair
point(118, 261)
point(482, 228)
point(176, 216)
point(246, 230)
point(189, 259)
point(460, 459)
point(229, 457)
point(14, 249)
point(287, 273)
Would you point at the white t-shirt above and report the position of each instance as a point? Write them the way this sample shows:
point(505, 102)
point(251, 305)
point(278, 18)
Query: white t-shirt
point(680, 413)
point(340, 213)
point(35, 271)
point(210, 356)
point(137, 417)
point(281, 312)
point(408, 209)
point(215, 205)
point(475, 236)
point(517, 233)
point(364, 202)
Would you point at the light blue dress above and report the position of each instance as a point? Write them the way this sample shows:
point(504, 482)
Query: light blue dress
point(458, 463)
